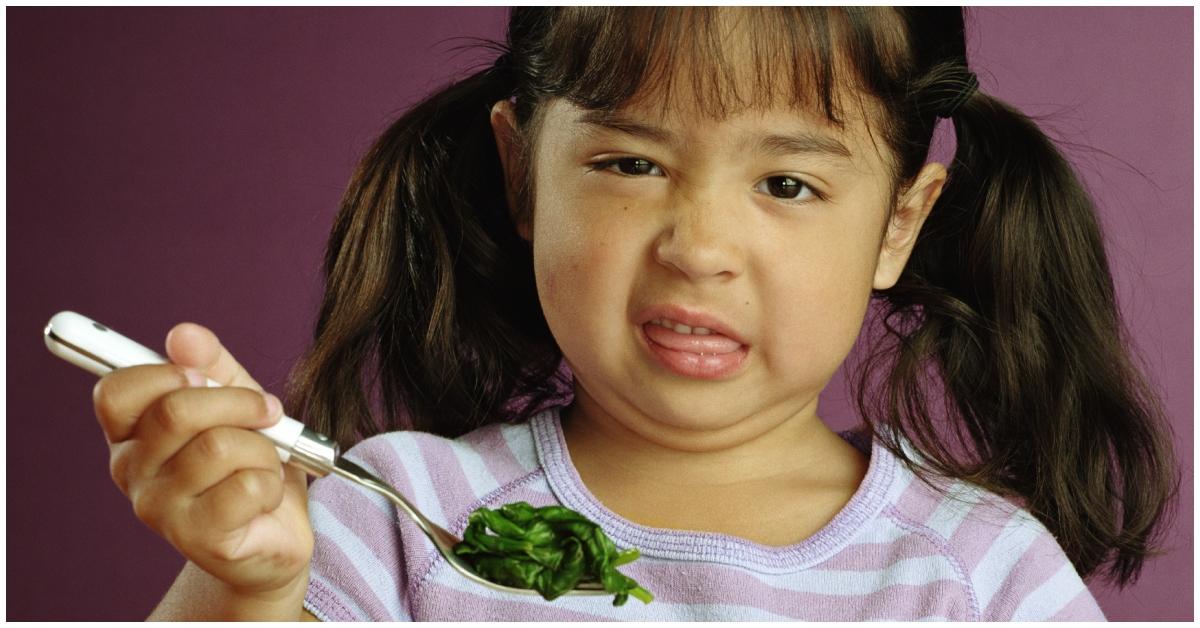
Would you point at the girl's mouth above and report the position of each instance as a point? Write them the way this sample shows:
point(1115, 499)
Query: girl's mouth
point(696, 353)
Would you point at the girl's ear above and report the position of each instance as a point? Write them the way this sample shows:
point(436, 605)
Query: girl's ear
point(504, 127)
point(912, 208)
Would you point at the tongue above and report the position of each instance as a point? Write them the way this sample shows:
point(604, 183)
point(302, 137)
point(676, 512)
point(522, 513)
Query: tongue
point(691, 343)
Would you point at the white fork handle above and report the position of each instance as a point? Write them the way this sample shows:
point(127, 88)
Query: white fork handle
point(98, 349)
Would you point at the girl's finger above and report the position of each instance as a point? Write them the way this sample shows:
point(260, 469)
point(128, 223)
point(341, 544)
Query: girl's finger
point(196, 346)
point(160, 507)
point(232, 503)
point(174, 419)
point(121, 397)
point(214, 455)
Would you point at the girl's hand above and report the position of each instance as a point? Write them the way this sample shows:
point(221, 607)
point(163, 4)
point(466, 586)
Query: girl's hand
point(196, 473)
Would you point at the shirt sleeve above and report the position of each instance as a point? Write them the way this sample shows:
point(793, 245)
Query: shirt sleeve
point(1026, 576)
point(1061, 597)
point(358, 568)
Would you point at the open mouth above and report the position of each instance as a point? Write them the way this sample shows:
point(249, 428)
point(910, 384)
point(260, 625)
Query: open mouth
point(693, 352)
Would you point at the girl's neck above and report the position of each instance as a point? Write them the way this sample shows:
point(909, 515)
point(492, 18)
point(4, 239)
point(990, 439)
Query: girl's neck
point(805, 471)
point(755, 448)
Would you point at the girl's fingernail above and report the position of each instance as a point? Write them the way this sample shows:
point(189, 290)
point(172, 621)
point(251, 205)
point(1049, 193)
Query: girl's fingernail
point(196, 378)
point(274, 406)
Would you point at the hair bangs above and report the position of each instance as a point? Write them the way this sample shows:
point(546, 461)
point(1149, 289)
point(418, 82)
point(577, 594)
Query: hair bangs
point(732, 61)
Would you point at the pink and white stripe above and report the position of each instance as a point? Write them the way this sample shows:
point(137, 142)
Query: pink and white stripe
point(899, 550)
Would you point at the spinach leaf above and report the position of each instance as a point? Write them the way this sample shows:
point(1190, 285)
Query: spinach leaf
point(549, 549)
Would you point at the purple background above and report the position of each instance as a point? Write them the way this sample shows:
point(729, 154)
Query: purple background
point(185, 164)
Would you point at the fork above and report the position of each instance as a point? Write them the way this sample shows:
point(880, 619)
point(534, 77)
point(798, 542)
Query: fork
point(100, 350)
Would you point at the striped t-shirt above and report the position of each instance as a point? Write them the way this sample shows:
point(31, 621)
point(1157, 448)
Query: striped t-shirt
point(897, 551)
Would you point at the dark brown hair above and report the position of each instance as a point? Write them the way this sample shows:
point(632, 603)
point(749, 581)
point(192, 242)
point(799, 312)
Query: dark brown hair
point(1003, 363)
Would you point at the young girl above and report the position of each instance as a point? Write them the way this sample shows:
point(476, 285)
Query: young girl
point(681, 216)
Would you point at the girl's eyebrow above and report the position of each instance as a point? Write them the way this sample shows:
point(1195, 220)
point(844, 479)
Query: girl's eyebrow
point(803, 143)
point(781, 145)
point(616, 122)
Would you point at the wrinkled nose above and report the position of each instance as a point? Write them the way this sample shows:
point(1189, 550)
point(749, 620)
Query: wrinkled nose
point(700, 240)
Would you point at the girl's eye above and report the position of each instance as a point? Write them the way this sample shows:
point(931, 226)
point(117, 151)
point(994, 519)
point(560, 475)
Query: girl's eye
point(788, 188)
point(632, 166)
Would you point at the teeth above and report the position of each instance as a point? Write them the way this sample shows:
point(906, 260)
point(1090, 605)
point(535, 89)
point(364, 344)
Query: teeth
point(680, 328)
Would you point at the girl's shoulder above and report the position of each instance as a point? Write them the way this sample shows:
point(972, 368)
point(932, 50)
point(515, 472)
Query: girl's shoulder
point(953, 511)
point(1011, 563)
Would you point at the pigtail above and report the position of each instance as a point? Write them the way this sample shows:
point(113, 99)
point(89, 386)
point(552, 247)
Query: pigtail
point(1008, 297)
point(430, 311)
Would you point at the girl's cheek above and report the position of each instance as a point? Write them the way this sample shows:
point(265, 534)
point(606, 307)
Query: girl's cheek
point(582, 280)
point(568, 267)
point(557, 250)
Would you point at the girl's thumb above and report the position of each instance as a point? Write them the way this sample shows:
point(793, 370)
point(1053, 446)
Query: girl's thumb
point(195, 346)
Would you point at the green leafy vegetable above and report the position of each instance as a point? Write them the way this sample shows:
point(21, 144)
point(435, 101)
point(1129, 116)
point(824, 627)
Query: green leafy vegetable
point(550, 550)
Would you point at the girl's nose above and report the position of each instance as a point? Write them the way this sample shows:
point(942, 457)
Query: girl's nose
point(700, 241)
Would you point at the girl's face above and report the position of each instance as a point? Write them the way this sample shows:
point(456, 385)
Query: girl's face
point(768, 227)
